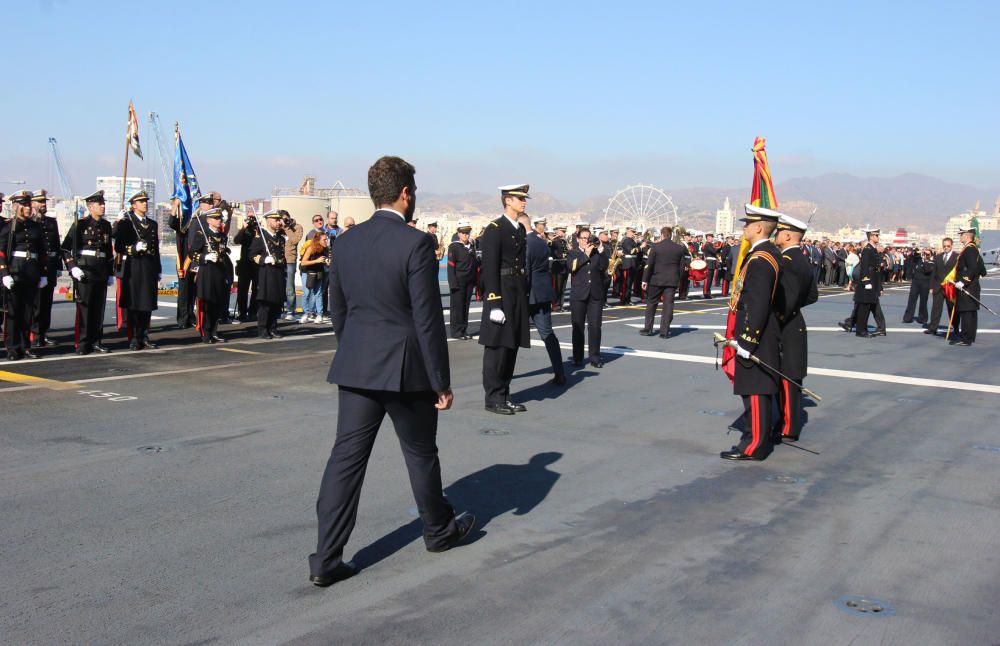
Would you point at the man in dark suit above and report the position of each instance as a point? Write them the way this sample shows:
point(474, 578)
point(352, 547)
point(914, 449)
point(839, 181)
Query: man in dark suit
point(796, 289)
point(943, 264)
point(588, 265)
point(540, 294)
point(968, 270)
point(504, 327)
point(392, 358)
point(664, 266)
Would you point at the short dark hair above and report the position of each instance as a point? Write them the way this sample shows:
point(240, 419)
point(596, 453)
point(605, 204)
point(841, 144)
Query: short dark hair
point(947, 240)
point(387, 178)
point(666, 232)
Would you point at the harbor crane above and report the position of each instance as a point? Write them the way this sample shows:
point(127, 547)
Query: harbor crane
point(64, 184)
point(168, 176)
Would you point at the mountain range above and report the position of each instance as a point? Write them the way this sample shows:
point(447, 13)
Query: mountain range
point(916, 202)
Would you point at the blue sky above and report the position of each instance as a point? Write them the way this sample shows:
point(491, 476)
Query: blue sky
point(578, 98)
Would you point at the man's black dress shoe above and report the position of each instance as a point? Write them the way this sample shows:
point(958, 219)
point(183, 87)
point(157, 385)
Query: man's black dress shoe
point(207, 340)
point(133, 345)
point(13, 357)
point(596, 363)
point(517, 408)
point(149, 345)
point(734, 454)
point(264, 336)
point(103, 349)
point(664, 335)
point(339, 573)
point(879, 333)
point(866, 335)
point(577, 363)
point(934, 332)
point(217, 339)
point(646, 333)
point(28, 354)
point(790, 438)
point(844, 326)
point(964, 344)
point(558, 380)
point(499, 409)
point(463, 526)
point(83, 350)
point(275, 335)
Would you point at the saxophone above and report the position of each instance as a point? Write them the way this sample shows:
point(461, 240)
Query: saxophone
point(616, 259)
point(440, 251)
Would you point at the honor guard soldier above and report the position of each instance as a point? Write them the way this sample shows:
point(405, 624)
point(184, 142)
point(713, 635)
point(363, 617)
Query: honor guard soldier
point(796, 289)
point(137, 241)
point(22, 262)
point(207, 250)
point(868, 288)
point(968, 270)
point(628, 249)
point(504, 326)
point(88, 252)
point(711, 256)
point(185, 277)
point(757, 333)
point(588, 266)
point(462, 267)
point(268, 252)
point(52, 270)
point(559, 249)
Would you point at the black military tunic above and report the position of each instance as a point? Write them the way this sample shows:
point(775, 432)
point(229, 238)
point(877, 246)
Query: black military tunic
point(43, 305)
point(868, 288)
point(968, 270)
point(711, 256)
point(246, 271)
point(757, 331)
point(22, 257)
point(139, 275)
point(270, 280)
point(629, 248)
point(586, 299)
point(796, 290)
point(88, 247)
point(185, 279)
point(211, 279)
point(559, 249)
point(462, 266)
point(503, 247)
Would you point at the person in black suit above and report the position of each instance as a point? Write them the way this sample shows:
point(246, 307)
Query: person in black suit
point(588, 265)
point(943, 263)
point(504, 327)
point(462, 270)
point(757, 333)
point(392, 358)
point(796, 289)
point(665, 264)
point(968, 270)
point(921, 269)
point(540, 294)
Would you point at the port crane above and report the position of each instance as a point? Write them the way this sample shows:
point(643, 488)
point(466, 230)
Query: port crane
point(168, 176)
point(65, 186)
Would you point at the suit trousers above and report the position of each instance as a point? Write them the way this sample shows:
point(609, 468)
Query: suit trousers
point(360, 414)
point(138, 325)
point(918, 292)
point(267, 317)
point(246, 291)
point(90, 317)
point(652, 300)
point(586, 312)
point(937, 305)
point(185, 300)
point(498, 370)
point(861, 319)
point(541, 316)
point(459, 308)
point(790, 410)
point(43, 312)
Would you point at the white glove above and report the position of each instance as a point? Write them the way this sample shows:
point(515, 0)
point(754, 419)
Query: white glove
point(76, 273)
point(959, 285)
point(868, 286)
point(59, 274)
point(122, 214)
point(43, 282)
point(211, 257)
point(269, 260)
point(742, 352)
point(140, 246)
point(8, 282)
point(497, 316)
point(111, 281)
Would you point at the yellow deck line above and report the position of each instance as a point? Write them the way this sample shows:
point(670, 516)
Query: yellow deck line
point(52, 384)
point(239, 351)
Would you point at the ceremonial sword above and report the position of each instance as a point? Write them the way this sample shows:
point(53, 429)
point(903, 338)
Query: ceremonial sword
point(979, 302)
point(732, 343)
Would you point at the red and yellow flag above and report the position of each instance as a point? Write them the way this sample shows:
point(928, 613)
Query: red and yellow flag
point(761, 194)
point(948, 284)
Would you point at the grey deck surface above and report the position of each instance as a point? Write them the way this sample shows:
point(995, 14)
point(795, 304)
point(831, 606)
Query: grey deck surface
point(185, 515)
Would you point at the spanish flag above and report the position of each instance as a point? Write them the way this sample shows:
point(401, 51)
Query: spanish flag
point(948, 284)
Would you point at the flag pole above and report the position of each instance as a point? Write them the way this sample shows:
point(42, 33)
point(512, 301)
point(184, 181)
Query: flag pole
point(951, 319)
point(124, 175)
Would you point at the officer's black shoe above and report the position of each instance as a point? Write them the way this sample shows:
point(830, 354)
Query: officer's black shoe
point(82, 350)
point(934, 332)
point(264, 336)
point(149, 345)
point(28, 354)
point(964, 344)
point(339, 573)
point(866, 335)
point(596, 363)
point(134, 345)
point(463, 526)
point(13, 356)
point(499, 409)
point(736, 454)
point(558, 380)
point(907, 321)
point(646, 333)
point(207, 339)
point(844, 326)
point(664, 335)
point(217, 339)
point(879, 333)
point(48, 342)
point(577, 363)
point(103, 349)
point(517, 408)
point(790, 438)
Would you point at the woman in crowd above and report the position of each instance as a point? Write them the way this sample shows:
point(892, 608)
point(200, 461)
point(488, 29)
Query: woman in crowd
point(314, 264)
point(851, 262)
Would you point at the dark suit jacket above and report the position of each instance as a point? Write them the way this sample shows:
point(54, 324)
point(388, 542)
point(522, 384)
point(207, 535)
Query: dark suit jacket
point(664, 264)
point(386, 309)
point(588, 275)
point(539, 276)
point(941, 269)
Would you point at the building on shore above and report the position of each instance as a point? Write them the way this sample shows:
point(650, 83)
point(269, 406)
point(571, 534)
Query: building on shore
point(308, 200)
point(724, 220)
point(112, 187)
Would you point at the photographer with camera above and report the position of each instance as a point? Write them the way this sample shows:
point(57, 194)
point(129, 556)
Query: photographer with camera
point(246, 271)
point(293, 235)
point(588, 265)
point(922, 267)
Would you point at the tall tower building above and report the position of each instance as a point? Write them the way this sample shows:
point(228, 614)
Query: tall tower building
point(724, 220)
point(112, 187)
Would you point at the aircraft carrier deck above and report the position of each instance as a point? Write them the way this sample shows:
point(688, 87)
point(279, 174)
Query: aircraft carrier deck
point(168, 496)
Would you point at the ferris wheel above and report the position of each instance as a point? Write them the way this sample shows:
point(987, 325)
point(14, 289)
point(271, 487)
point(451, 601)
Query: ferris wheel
point(641, 205)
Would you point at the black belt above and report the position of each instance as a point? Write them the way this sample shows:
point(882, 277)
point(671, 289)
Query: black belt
point(511, 271)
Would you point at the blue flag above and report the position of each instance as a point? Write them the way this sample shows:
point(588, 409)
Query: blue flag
point(186, 189)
